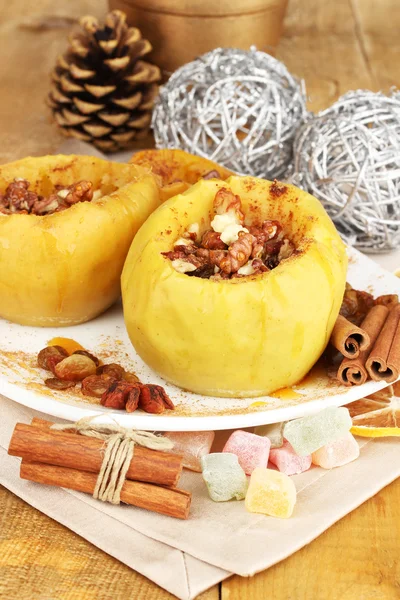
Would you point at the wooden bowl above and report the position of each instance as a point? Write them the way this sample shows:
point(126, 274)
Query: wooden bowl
point(180, 30)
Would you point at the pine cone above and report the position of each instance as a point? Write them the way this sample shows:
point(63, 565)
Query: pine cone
point(102, 91)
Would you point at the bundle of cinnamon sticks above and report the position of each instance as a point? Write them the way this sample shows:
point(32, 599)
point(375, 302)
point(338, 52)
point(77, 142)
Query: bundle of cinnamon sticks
point(372, 350)
point(67, 459)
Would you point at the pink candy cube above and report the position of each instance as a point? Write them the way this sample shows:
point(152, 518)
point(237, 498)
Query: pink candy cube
point(287, 461)
point(252, 450)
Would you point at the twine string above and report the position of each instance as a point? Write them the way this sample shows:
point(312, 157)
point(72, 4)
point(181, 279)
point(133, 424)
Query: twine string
point(118, 452)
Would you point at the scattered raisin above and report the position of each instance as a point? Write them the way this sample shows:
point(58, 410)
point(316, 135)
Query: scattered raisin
point(117, 388)
point(75, 368)
point(131, 377)
point(133, 399)
point(92, 356)
point(59, 384)
point(49, 356)
point(117, 395)
point(113, 369)
point(154, 399)
point(96, 385)
point(388, 300)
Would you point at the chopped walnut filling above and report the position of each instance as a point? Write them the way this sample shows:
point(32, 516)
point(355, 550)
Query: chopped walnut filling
point(229, 249)
point(18, 199)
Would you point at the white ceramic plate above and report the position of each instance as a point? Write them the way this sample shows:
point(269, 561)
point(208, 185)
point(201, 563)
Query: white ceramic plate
point(21, 381)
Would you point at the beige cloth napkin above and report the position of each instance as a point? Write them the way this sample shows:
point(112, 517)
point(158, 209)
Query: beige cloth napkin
point(187, 557)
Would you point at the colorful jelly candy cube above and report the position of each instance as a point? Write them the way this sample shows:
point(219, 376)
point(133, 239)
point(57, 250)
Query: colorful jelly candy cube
point(308, 434)
point(223, 435)
point(191, 446)
point(270, 493)
point(287, 461)
point(337, 453)
point(224, 477)
point(274, 432)
point(252, 450)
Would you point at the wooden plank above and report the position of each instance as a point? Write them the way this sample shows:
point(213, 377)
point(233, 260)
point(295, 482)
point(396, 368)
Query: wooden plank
point(39, 558)
point(320, 45)
point(28, 56)
point(378, 31)
point(335, 46)
point(357, 558)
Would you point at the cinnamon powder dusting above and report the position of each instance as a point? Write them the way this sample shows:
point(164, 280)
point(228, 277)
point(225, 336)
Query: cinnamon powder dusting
point(277, 189)
point(20, 368)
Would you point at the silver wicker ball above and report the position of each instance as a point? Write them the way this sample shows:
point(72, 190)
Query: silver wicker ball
point(239, 108)
point(349, 157)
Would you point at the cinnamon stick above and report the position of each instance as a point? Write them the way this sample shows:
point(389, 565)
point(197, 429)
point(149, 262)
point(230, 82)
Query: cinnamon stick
point(166, 501)
point(38, 443)
point(349, 339)
point(353, 371)
point(383, 363)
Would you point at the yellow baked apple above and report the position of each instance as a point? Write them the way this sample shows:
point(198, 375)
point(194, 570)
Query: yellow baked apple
point(63, 267)
point(241, 336)
point(178, 170)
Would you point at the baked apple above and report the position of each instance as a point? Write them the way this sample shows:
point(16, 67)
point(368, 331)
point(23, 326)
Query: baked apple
point(66, 224)
point(233, 288)
point(178, 170)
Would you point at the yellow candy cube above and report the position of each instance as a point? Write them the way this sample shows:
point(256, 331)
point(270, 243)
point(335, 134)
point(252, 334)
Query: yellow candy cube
point(270, 493)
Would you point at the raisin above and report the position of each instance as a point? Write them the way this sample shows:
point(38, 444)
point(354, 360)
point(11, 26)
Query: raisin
point(49, 356)
point(59, 384)
point(92, 356)
point(75, 368)
point(131, 377)
point(96, 385)
point(117, 395)
point(388, 300)
point(133, 399)
point(113, 369)
point(154, 399)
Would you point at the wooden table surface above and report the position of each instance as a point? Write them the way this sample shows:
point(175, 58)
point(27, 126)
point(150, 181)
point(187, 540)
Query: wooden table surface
point(334, 46)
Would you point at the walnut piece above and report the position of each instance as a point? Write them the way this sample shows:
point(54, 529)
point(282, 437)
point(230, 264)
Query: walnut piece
point(238, 253)
point(226, 201)
point(18, 199)
point(79, 192)
point(212, 241)
point(229, 249)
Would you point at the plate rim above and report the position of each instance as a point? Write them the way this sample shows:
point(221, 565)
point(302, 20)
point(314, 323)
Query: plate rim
point(146, 422)
point(71, 412)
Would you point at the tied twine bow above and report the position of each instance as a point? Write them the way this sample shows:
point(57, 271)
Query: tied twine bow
point(118, 453)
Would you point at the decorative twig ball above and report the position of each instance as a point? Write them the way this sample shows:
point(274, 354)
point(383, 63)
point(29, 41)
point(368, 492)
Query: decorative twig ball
point(349, 158)
point(239, 108)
